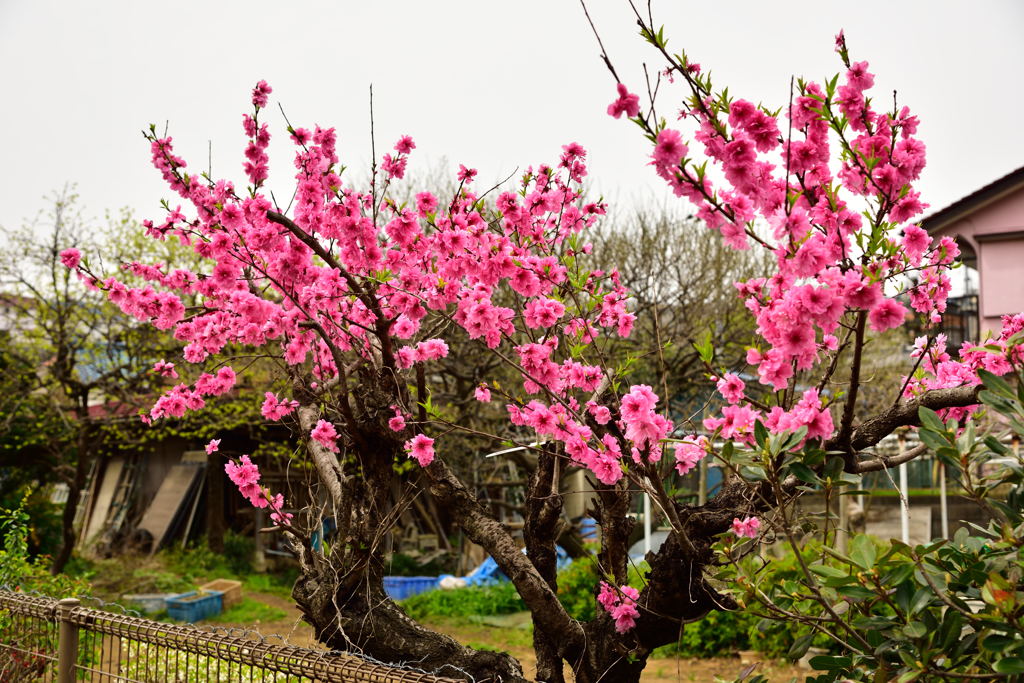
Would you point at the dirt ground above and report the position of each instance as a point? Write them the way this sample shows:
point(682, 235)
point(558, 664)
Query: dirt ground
point(510, 634)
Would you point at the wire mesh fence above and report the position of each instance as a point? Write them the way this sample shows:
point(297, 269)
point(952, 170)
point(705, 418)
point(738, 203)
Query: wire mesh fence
point(43, 639)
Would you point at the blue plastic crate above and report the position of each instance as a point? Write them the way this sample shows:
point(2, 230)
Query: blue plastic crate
point(402, 587)
point(195, 605)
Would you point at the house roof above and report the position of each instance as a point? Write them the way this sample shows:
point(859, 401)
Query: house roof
point(974, 201)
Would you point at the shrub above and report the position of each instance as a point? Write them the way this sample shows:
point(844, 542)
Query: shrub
point(20, 572)
point(238, 552)
point(499, 598)
point(576, 587)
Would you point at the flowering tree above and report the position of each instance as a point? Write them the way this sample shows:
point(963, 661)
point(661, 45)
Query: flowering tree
point(354, 294)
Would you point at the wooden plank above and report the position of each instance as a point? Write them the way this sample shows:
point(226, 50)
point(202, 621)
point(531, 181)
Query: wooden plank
point(101, 506)
point(169, 498)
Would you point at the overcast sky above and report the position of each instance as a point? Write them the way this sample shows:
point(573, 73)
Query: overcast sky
point(493, 85)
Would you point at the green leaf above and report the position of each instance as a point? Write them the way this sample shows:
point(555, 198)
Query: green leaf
point(856, 592)
point(760, 433)
point(997, 642)
point(915, 629)
point(898, 574)
point(997, 384)
point(838, 555)
point(930, 420)
point(753, 473)
point(803, 472)
point(705, 348)
point(921, 599)
point(800, 646)
point(828, 572)
point(833, 467)
point(862, 551)
point(830, 663)
point(1009, 665)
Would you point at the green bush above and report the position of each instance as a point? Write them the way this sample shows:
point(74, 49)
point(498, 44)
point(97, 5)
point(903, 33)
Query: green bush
point(407, 565)
point(238, 552)
point(715, 635)
point(20, 572)
point(577, 588)
point(499, 598)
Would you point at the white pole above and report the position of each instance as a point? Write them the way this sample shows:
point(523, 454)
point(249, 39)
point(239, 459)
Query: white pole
point(702, 485)
point(843, 528)
point(943, 505)
point(904, 496)
point(647, 523)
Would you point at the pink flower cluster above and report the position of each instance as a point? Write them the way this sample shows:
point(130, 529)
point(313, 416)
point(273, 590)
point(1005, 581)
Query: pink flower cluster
point(421, 449)
point(70, 258)
point(626, 103)
point(274, 408)
point(182, 397)
point(396, 423)
point(835, 261)
point(620, 604)
point(326, 435)
point(748, 527)
point(246, 476)
point(165, 369)
point(644, 427)
point(689, 452)
point(431, 349)
point(938, 369)
point(737, 421)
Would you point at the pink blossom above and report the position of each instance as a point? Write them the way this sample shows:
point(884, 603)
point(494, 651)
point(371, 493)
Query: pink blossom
point(748, 527)
point(396, 423)
point(260, 93)
point(165, 369)
point(888, 314)
point(421, 447)
point(620, 604)
point(275, 409)
point(213, 446)
point(669, 149)
point(601, 414)
point(543, 312)
point(70, 257)
point(731, 387)
point(326, 435)
point(689, 452)
point(243, 473)
point(405, 145)
point(482, 393)
point(627, 103)
point(915, 242)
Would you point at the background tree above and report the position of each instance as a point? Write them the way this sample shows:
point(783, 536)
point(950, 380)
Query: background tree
point(77, 359)
point(680, 278)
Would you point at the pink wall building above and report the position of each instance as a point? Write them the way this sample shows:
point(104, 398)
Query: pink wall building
point(988, 225)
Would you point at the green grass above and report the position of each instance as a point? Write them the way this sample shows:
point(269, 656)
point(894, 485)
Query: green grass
point(249, 611)
point(279, 585)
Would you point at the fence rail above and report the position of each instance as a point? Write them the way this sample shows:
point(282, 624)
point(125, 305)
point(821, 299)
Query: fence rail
point(43, 639)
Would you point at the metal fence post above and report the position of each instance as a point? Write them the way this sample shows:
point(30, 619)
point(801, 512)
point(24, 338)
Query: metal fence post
point(67, 641)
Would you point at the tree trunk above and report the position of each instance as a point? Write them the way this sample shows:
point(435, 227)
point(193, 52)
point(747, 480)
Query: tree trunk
point(342, 594)
point(215, 503)
point(68, 535)
point(354, 614)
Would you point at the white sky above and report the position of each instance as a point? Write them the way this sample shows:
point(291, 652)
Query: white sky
point(494, 85)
